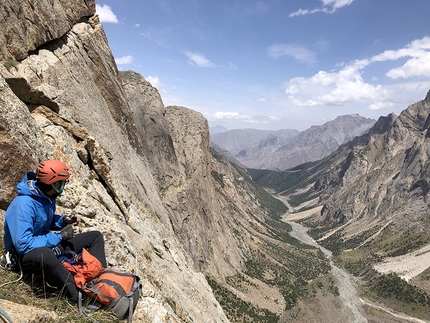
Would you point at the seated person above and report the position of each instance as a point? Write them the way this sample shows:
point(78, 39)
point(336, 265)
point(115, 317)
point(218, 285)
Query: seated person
point(30, 218)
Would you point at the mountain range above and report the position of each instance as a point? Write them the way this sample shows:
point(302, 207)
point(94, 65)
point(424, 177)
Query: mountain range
point(287, 148)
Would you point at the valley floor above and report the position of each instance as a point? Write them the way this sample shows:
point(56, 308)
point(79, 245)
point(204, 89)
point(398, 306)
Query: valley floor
point(406, 266)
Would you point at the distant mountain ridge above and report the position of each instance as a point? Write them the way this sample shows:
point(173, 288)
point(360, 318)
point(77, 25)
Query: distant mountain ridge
point(238, 139)
point(288, 148)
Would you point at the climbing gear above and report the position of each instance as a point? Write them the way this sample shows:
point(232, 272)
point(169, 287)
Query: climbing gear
point(117, 290)
point(84, 267)
point(9, 261)
point(51, 171)
point(4, 316)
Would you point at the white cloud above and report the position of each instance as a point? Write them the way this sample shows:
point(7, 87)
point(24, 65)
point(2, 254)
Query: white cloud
point(332, 88)
point(198, 59)
point(336, 4)
point(154, 80)
point(337, 88)
point(418, 63)
point(416, 66)
point(298, 52)
point(329, 6)
point(262, 100)
point(105, 14)
point(221, 115)
point(378, 105)
point(124, 60)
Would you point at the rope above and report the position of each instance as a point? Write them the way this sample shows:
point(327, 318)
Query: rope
point(89, 316)
point(5, 317)
point(17, 280)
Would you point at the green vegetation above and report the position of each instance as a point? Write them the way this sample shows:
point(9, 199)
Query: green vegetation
point(392, 286)
point(276, 259)
point(274, 207)
point(219, 178)
point(396, 293)
point(390, 289)
point(236, 309)
point(393, 244)
point(11, 63)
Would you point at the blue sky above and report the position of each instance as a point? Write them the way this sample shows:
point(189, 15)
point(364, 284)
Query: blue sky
point(275, 64)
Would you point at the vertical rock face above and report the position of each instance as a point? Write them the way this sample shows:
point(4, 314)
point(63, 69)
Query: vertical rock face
point(387, 169)
point(65, 99)
point(142, 174)
point(152, 127)
point(28, 24)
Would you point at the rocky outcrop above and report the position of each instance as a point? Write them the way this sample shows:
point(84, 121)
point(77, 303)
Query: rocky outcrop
point(65, 99)
point(26, 25)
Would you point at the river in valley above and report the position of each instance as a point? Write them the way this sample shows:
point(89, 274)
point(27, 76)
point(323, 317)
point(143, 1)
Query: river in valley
point(348, 293)
point(345, 282)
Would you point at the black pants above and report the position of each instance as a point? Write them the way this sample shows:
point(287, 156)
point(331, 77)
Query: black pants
point(44, 260)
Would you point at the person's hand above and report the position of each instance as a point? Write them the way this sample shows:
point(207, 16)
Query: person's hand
point(75, 227)
point(68, 233)
point(71, 219)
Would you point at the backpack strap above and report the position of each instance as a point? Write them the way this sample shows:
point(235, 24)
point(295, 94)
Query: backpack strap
point(80, 308)
point(130, 310)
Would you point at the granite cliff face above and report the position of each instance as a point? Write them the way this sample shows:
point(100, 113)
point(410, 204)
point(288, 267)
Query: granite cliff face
point(63, 97)
point(171, 209)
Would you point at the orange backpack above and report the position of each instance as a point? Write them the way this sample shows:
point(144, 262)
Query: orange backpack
point(117, 290)
point(84, 267)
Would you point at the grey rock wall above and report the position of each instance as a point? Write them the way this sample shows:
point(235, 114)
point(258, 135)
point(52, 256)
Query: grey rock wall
point(66, 100)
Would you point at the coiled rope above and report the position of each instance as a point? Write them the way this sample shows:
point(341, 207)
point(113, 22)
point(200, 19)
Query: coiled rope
point(4, 316)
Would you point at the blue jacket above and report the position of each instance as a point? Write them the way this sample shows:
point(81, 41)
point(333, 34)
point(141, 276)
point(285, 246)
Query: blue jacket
point(30, 218)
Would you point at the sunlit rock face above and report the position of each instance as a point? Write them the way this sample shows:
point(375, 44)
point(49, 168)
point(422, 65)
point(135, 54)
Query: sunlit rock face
point(142, 173)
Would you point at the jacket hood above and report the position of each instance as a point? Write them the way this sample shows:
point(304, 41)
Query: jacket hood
point(27, 186)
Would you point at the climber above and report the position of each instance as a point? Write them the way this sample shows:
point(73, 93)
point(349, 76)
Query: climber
point(38, 236)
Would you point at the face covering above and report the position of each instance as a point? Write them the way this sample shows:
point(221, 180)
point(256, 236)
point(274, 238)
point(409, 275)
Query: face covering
point(59, 190)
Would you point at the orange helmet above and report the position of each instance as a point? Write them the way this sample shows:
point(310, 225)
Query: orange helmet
point(51, 171)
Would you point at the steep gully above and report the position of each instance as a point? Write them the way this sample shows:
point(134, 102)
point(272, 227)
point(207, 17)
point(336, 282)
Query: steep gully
point(346, 286)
